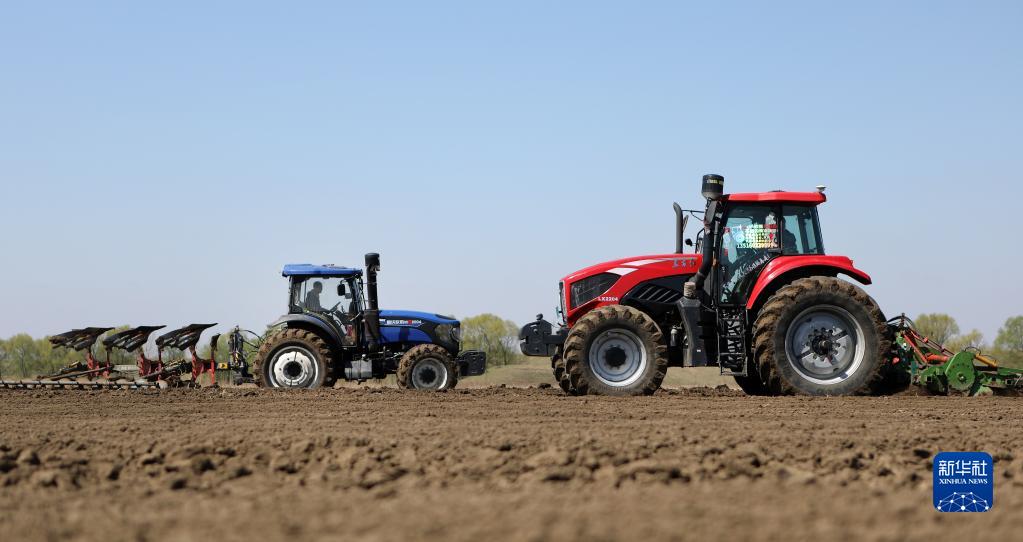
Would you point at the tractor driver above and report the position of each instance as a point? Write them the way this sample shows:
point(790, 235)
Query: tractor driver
point(312, 299)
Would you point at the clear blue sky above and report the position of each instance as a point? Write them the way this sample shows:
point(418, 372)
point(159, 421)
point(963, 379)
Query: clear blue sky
point(160, 163)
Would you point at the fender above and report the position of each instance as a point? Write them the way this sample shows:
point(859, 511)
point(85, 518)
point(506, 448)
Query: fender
point(307, 321)
point(820, 264)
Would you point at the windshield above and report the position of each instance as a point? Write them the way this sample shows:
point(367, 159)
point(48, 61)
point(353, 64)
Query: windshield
point(323, 294)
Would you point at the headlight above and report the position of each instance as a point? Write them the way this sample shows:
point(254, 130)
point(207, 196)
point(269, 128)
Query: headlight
point(561, 301)
point(589, 288)
point(456, 334)
point(447, 332)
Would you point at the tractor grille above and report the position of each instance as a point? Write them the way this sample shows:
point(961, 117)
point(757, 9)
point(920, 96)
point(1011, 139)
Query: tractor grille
point(657, 294)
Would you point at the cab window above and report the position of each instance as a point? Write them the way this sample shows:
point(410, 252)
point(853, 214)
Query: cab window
point(323, 294)
point(801, 233)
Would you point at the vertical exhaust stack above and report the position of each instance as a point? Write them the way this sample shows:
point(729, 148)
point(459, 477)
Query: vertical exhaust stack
point(680, 228)
point(372, 315)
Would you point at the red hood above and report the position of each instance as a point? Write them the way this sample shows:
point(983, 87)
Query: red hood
point(668, 264)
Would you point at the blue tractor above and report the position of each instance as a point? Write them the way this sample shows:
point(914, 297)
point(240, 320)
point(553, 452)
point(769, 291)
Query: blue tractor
point(336, 331)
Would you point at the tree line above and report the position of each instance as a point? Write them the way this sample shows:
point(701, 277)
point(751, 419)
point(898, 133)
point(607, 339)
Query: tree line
point(1007, 347)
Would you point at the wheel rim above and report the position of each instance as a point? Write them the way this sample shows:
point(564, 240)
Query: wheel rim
point(617, 357)
point(825, 345)
point(429, 374)
point(293, 367)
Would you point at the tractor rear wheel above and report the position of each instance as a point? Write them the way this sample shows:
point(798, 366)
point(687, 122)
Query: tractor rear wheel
point(293, 358)
point(615, 350)
point(821, 336)
point(427, 367)
point(751, 384)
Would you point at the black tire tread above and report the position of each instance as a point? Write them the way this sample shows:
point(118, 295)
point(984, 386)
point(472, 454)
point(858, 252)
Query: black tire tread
point(751, 384)
point(560, 374)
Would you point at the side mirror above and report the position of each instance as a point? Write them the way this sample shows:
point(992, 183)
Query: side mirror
point(341, 289)
point(689, 242)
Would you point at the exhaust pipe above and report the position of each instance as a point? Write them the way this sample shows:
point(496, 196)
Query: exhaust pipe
point(372, 315)
point(680, 227)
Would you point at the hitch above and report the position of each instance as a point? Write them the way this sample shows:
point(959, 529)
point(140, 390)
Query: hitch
point(538, 338)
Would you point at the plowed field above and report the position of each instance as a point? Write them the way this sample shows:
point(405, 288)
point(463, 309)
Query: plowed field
point(493, 464)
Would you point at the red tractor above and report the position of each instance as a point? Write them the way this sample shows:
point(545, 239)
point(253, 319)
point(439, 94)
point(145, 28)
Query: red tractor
point(757, 297)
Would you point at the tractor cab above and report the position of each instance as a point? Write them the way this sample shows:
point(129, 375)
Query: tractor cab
point(748, 231)
point(329, 294)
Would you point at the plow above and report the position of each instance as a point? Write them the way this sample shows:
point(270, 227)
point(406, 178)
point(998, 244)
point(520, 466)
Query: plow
point(177, 362)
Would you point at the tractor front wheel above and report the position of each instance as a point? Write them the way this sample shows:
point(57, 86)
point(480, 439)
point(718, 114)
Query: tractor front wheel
point(821, 336)
point(427, 367)
point(615, 350)
point(293, 358)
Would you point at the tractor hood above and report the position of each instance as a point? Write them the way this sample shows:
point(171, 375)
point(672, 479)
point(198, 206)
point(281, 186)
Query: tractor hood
point(399, 315)
point(664, 264)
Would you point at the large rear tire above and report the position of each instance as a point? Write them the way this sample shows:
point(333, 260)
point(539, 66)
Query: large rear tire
point(293, 359)
point(615, 350)
point(821, 336)
point(751, 384)
point(427, 367)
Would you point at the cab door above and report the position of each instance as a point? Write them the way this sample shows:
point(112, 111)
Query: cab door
point(750, 238)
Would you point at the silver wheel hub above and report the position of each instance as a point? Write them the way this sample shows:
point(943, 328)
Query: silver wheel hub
point(618, 358)
point(429, 374)
point(293, 367)
point(825, 345)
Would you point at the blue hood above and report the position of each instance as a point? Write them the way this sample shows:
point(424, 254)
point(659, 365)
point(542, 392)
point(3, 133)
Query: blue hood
point(426, 316)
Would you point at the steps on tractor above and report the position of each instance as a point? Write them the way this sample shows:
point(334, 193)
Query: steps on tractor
point(732, 352)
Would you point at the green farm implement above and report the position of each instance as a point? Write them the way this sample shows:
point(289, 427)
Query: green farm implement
point(940, 371)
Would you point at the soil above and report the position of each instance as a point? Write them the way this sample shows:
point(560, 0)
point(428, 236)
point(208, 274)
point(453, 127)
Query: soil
point(493, 464)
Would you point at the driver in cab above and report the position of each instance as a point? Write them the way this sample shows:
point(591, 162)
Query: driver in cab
point(312, 299)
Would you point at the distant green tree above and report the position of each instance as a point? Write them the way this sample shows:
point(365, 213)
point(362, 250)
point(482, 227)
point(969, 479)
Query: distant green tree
point(1009, 343)
point(936, 326)
point(973, 339)
point(5, 355)
point(490, 333)
point(26, 355)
